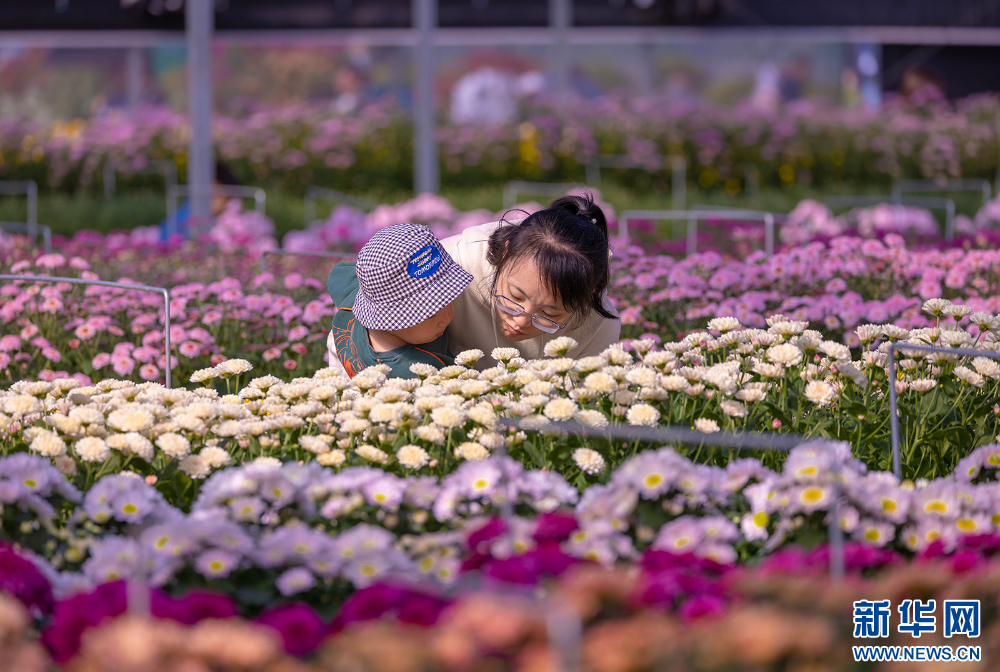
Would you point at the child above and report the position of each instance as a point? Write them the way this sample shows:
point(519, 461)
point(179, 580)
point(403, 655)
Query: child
point(393, 304)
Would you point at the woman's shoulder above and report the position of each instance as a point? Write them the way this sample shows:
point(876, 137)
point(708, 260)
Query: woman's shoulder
point(472, 236)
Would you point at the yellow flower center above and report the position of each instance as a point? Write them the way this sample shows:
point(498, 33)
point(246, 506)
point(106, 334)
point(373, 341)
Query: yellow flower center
point(301, 549)
point(966, 525)
point(812, 495)
point(652, 480)
point(246, 510)
point(872, 534)
point(129, 509)
point(30, 482)
point(161, 542)
point(216, 565)
point(761, 519)
point(381, 497)
point(889, 505)
point(480, 484)
point(936, 506)
point(994, 459)
point(681, 542)
point(996, 518)
point(806, 472)
point(369, 570)
point(932, 535)
point(347, 552)
point(580, 537)
point(426, 564)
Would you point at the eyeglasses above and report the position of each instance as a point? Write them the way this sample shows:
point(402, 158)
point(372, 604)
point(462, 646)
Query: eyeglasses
point(539, 321)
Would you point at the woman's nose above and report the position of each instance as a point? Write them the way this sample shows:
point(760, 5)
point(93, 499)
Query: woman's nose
point(522, 320)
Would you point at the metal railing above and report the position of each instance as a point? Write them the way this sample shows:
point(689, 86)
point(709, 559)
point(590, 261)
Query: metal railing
point(165, 168)
point(314, 193)
point(676, 163)
point(980, 185)
point(694, 216)
point(929, 202)
point(549, 189)
point(343, 256)
point(30, 189)
point(117, 285)
point(897, 467)
point(769, 441)
point(175, 192)
point(40, 229)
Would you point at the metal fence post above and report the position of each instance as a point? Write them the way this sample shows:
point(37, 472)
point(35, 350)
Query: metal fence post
point(426, 177)
point(314, 193)
point(980, 185)
point(30, 189)
point(693, 216)
point(117, 285)
point(931, 203)
point(199, 20)
point(678, 182)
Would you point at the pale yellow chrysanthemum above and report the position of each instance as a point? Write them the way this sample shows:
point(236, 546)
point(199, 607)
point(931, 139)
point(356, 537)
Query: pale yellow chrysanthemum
point(21, 404)
point(412, 457)
point(92, 449)
point(785, 354)
point(592, 418)
point(601, 382)
point(448, 417)
point(706, 425)
point(372, 454)
point(923, 384)
point(471, 451)
point(431, 434)
point(733, 409)
point(589, 460)
point(561, 410)
point(47, 444)
point(334, 458)
point(201, 375)
point(233, 367)
point(820, 392)
point(643, 415)
point(195, 466)
point(504, 354)
point(215, 456)
point(724, 324)
point(560, 347)
point(316, 444)
point(174, 445)
point(469, 357)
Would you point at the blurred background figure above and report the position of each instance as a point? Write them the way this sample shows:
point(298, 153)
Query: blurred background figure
point(922, 84)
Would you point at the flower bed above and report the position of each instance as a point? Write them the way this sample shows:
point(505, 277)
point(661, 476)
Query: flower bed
point(303, 144)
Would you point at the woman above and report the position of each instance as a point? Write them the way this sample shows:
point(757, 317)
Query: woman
point(535, 280)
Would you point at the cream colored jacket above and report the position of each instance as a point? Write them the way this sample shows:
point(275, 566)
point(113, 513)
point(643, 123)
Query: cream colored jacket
point(474, 327)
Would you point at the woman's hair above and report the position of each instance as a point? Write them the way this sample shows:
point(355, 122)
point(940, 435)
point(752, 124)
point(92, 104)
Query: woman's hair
point(568, 241)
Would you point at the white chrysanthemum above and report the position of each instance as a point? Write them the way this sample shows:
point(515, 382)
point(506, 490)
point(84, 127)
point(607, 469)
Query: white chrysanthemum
point(483, 415)
point(923, 384)
point(216, 457)
point(355, 426)
point(504, 354)
point(957, 310)
point(820, 392)
point(469, 357)
point(588, 364)
point(969, 376)
point(448, 417)
point(561, 410)
point(642, 375)
point(316, 444)
point(785, 354)
point(92, 449)
point(412, 457)
point(233, 367)
point(642, 414)
point(835, 350)
point(131, 419)
point(724, 324)
point(788, 327)
point(560, 347)
point(88, 415)
point(201, 375)
point(421, 370)
point(750, 394)
point(21, 404)
point(987, 367)
point(334, 458)
point(230, 428)
point(174, 445)
point(431, 434)
point(956, 338)
point(589, 460)
point(474, 388)
point(868, 332)
point(617, 356)
point(935, 306)
point(733, 409)
point(372, 454)
point(267, 461)
point(706, 425)
point(601, 382)
point(47, 444)
point(195, 466)
point(383, 413)
point(471, 451)
point(592, 418)
point(65, 424)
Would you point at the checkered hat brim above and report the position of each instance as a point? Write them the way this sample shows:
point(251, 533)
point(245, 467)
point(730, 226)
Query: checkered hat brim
point(389, 296)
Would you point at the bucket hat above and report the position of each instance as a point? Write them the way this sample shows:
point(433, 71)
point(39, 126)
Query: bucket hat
point(405, 276)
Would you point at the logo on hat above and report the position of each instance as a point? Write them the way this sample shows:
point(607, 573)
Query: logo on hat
point(424, 263)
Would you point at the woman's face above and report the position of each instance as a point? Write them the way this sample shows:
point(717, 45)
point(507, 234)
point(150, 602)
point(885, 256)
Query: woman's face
point(522, 284)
